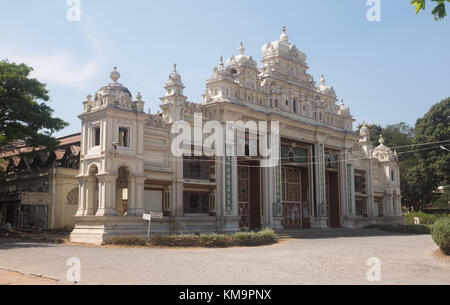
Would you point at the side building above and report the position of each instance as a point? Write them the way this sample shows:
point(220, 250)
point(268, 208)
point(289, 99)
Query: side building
point(327, 175)
point(39, 189)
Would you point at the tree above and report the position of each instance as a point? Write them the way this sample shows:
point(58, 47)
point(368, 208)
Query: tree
point(434, 127)
point(444, 201)
point(439, 12)
point(24, 115)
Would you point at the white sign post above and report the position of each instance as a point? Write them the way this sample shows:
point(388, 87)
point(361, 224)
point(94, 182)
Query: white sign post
point(149, 217)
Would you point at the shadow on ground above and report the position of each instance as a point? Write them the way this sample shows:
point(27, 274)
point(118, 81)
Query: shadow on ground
point(334, 233)
point(6, 244)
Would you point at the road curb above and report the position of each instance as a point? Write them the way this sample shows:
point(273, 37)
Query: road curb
point(31, 274)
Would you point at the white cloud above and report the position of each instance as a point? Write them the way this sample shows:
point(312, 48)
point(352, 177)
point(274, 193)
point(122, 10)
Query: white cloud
point(62, 67)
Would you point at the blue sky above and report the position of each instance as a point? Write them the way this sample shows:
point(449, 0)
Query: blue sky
point(387, 72)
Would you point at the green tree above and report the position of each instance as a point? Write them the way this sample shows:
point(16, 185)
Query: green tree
point(434, 127)
point(439, 12)
point(444, 201)
point(24, 115)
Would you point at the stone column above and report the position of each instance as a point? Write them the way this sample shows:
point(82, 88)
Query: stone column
point(132, 204)
point(91, 180)
point(320, 180)
point(178, 187)
point(81, 197)
point(107, 204)
point(220, 190)
point(139, 198)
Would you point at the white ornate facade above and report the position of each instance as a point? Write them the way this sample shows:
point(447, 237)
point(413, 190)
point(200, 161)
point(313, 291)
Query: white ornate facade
point(328, 176)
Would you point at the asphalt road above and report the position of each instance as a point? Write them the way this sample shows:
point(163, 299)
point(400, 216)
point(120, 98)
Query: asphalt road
point(404, 260)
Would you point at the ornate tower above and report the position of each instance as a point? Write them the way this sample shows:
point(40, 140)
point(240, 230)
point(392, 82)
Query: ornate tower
point(112, 152)
point(365, 142)
point(174, 102)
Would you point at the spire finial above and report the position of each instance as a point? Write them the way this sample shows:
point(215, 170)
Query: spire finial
point(221, 61)
point(284, 37)
point(322, 80)
point(381, 140)
point(174, 67)
point(114, 75)
point(241, 49)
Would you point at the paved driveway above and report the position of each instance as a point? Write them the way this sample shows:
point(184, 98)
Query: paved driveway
point(404, 259)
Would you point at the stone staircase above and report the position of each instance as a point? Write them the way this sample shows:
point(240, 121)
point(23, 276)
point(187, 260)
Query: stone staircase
point(327, 233)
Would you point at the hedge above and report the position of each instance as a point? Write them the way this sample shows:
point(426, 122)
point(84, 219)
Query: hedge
point(425, 219)
point(409, 229)
point(248, 239)
point(441, 234)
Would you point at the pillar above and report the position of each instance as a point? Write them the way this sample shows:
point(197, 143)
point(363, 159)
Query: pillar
point(90, 194)
point(139, 198)
point(107, 194)
point(132, 204)
point(81, 197)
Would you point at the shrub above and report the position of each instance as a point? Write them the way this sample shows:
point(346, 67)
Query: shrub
point(263, 237)
point(408, 229)
point(425, 219)
point(441, 234)
point(126, 241)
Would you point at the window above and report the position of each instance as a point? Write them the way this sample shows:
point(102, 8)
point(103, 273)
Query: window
point(96, 136)
point(360, 182)
point(361, 207)
point(294, 106)
point(393, 176)
point(124, 137)
point(380, 208)
point(196, 168)
point(196, 203)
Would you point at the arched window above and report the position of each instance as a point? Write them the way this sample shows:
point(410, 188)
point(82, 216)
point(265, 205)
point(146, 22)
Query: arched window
point(294, 106)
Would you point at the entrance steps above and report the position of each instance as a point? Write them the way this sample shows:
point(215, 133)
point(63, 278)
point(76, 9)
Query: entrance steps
point(327, 233)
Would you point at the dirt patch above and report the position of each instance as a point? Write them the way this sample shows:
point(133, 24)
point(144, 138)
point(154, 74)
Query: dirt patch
point(438, 253)
point(16, 278)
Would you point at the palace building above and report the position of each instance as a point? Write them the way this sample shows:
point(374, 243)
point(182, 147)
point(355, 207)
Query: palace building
point(327, 176)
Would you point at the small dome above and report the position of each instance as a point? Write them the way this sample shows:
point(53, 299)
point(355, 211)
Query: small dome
point(343, 110)
point(114, 92)
point(283, 48)
point(241, 59)
point(326, 89)
point(382, 151)
point(365, 131)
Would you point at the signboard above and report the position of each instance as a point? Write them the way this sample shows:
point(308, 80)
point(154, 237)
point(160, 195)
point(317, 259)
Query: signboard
point(157, 215)
point(149, 218)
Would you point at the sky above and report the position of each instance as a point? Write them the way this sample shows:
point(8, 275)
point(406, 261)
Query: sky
point(389, 71)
